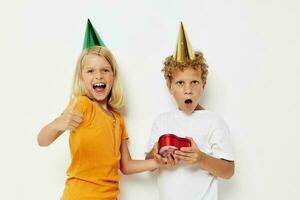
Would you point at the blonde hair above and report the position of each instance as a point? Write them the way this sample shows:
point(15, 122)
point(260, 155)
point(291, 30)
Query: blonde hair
point(115, 97)
point(198, 63)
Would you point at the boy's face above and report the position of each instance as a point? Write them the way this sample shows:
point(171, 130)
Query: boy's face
point(186, 87)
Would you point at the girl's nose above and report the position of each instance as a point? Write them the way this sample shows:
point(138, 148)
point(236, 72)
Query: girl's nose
point(98, 75)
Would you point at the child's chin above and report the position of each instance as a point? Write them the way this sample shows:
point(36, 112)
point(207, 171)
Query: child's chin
point(188, 108)
point(99, 98)
point(188, 111)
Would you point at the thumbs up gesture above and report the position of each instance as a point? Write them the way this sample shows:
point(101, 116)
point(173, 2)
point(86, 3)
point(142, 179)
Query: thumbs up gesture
point(70, 119)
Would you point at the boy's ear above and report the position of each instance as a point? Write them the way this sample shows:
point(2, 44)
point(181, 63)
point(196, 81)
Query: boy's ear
point(169, 86)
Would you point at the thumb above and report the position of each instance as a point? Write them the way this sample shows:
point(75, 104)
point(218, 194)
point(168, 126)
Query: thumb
point(155, 148)
point(192, 141)
point(73, 105)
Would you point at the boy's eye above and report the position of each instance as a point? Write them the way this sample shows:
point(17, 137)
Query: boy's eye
point(179, 83)
point(90, 71)
point(195, 82)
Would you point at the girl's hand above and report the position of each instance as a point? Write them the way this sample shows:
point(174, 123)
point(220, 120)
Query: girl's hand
point(191, 155)
point(68, 120)
point(169, 161)
point(157, 157)
point(164, 162)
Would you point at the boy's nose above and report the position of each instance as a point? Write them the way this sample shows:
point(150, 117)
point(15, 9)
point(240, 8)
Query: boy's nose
point(187, 90)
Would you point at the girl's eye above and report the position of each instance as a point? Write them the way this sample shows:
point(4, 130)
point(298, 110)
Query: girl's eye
point(105, 70)
point(90, 71)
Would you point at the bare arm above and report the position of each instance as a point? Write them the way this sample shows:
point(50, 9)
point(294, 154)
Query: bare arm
point(217, 167)
point(129, 166)
point(69, 120)
point(48, 134)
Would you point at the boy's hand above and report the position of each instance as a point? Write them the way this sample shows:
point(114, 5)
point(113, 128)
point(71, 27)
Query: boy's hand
point(191, 155)
point(68, 120)
point(164, 162)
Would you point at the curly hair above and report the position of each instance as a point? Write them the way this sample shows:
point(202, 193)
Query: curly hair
point(198, 63)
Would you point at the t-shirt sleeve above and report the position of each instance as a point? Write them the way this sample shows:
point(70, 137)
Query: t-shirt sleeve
point(153, 138)
point(220, 141)
point(124, 134)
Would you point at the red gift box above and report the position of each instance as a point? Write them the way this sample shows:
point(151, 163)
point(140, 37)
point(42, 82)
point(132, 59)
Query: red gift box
point(168, 143)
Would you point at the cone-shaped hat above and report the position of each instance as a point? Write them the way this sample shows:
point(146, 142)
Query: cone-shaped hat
point(183, 50)
point(91, 37)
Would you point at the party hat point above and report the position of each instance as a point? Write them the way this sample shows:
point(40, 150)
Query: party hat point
point(183, 50)
point(91, 37)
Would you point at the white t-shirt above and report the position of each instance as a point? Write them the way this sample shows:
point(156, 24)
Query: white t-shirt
point(211, 135)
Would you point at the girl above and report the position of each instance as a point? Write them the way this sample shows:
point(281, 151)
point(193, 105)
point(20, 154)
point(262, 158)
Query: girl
point(98, 139)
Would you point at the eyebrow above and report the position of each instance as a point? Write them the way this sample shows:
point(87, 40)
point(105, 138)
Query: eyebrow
point(87, 67)
point(106, 66)
point(179, 81)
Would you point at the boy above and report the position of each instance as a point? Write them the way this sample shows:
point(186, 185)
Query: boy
point(191, 172)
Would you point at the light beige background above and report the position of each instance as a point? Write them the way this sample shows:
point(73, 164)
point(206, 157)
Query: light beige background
point(251, 46)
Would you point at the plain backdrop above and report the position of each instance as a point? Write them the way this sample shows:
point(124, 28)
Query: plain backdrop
point(251, 47)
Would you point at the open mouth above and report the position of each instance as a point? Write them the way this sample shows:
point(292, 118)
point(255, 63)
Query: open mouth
point(99, 87)
point(188, 101)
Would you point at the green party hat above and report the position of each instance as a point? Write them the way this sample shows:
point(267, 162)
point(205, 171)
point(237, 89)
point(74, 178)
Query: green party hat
point(183, 50)
point(91, 37)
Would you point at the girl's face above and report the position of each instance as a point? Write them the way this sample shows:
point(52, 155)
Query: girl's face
point(98, 77)
point(186, 87)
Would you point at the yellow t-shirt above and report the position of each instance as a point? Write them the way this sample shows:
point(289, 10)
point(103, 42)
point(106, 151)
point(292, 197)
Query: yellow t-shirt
point(95, 154)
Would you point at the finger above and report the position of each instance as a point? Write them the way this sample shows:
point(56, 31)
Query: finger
point(183, 158)
point(77, 119)
point(79, 114)
point(187, 149)
point(192, 142)
point(74, 124)
point(157, 155)
point(165, 161)
point(73, 105)
point(185, 154)
point(71, 128)
point(158, 158)
point(170, 160)
point(176, 159)
point(155, 147)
